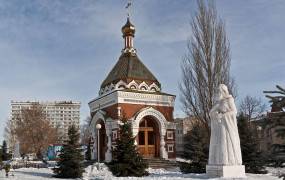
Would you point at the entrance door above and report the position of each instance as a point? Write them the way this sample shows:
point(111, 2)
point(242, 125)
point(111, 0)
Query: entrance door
point(147, 138)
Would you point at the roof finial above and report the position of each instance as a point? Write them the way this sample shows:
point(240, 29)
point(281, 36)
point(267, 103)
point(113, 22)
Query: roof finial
point(128, 7)
point(128, 31)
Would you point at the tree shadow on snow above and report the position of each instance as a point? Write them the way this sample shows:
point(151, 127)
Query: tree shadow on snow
point(175, 175)
point(33, 173)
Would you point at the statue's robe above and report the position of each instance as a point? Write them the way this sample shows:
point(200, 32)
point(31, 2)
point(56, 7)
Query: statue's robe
point(225, 142)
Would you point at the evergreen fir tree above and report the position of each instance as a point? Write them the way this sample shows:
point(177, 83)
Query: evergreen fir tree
point(1, 157)
point(70, 164)
point(196, 149)
point(278, 149)
point(5, 154)
point(126, 159)
point(280, 131)
point(251, 156)
point(88, 151)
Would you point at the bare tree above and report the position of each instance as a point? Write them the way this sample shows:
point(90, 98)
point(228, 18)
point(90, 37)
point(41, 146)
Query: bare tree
point(251, 107)
point(10, 134)
point(34, 131)
point(206, 64)
point(85, 133)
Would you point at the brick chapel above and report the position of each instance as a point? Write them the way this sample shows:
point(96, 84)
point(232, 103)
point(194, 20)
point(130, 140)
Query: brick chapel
point(131, 89)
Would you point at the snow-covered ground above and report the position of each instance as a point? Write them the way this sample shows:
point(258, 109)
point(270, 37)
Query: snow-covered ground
point(155, 174)
point(161, 174)
point(28, 174)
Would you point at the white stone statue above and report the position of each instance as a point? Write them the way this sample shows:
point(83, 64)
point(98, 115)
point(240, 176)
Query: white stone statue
point(225, 153)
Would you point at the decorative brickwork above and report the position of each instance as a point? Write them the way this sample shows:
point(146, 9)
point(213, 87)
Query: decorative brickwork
point(132, 91)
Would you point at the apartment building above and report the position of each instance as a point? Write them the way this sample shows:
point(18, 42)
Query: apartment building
point(61, 114)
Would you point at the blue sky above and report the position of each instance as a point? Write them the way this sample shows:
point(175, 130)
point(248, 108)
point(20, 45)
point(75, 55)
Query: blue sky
point(63, 49)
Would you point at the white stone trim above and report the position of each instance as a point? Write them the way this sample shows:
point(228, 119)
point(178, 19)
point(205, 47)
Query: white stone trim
point(153, 85)
point(162, 124)
point(101, 92)
point(171, 125)
point(170, 146)
point(108, 126)
point(133, 83)
point(108, 154)
point(143, 84)
point(170, 135)
point(129, 50)
point(103, 102)
point(120, 83)
point(138, 87)
point(149, 111)
point(119, 111)
point(146, 99)
point(98, 116)
point(106, 89)
point(114, 134)
point(111, 87)
point(124, 97)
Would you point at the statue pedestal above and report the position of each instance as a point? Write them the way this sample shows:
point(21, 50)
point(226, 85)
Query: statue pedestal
point(225, 171)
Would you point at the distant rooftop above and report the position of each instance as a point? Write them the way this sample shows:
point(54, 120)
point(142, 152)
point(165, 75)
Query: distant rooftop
point(46, 102)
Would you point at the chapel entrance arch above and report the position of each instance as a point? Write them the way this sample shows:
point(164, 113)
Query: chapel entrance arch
point(102, 140)
point(148, 137)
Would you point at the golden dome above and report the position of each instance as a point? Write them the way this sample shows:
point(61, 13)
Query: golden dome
point(128, 29)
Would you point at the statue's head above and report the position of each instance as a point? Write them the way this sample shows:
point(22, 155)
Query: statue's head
point(223, 91)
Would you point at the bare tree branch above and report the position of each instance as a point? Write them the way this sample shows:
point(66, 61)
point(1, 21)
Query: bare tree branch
point(206, 64)
point(251, 107)
point(85, 133)
point(34, 131)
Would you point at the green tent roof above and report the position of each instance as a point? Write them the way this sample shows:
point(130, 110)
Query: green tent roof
point(129, 68)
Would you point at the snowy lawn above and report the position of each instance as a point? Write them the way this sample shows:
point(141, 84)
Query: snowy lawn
point(155, 174)
point(161, 174)
point(28, 174)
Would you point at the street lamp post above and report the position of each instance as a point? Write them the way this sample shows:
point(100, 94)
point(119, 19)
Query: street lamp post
point(98, 127)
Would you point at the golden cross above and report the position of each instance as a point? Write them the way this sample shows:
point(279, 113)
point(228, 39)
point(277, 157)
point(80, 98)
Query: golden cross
point(128, 7)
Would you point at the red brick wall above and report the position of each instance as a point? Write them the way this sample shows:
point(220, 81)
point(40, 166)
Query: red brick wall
point(170, 141)
point(129, 110)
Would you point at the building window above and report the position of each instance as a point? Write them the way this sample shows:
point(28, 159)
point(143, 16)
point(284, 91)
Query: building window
point(170, 148)
point(169, 134)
